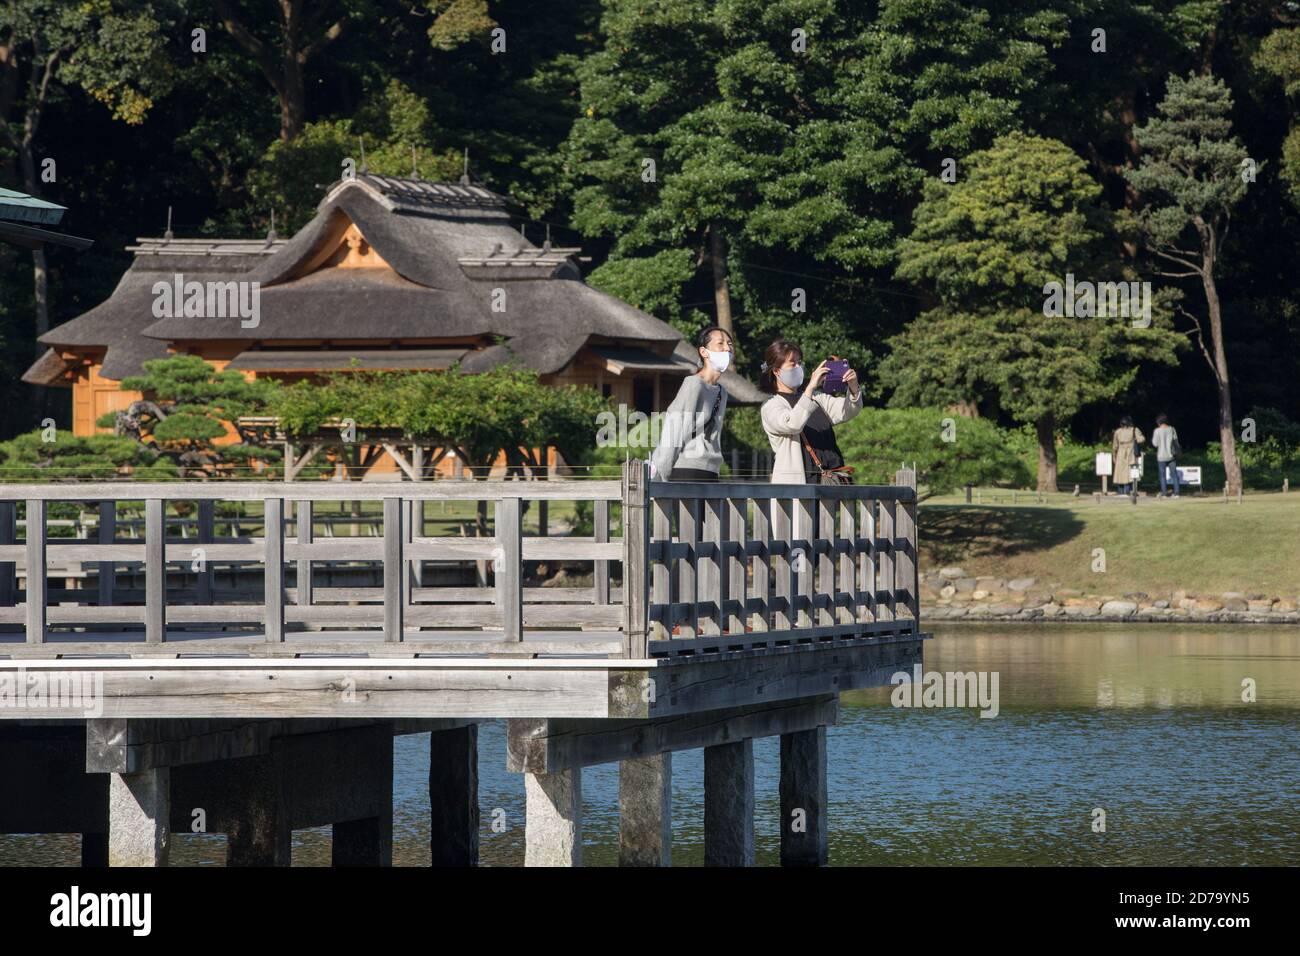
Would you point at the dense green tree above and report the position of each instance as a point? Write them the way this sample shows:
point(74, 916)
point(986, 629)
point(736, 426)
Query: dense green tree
point(1191, 177)
point(1026, 214)
point(816, 158)
point(504, 411)
point(789, 140)
point(388, 129)
point(281, 38)
point(1279, 56)
point(948, 452)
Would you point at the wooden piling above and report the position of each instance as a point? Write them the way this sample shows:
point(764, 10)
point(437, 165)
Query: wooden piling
point(259, 833)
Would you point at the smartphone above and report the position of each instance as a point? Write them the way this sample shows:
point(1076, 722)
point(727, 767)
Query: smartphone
point(833, 383)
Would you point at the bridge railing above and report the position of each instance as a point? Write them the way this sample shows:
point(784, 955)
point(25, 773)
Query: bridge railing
point(703, 567)
point(400, 616)
point(733, 566)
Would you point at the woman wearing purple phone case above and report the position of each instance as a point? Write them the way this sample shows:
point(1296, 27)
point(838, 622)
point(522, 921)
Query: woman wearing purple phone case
point(800, 425)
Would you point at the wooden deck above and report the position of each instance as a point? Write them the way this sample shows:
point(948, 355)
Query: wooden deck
point(472, 687)
point(715, 613)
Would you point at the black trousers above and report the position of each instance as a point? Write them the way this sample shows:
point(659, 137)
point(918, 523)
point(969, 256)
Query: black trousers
point(692, 474)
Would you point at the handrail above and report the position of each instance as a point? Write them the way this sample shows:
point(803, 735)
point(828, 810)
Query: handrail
point(489, 489)
point(706, 567)
point(739, 565)
point(493, 624)
point(750, 489)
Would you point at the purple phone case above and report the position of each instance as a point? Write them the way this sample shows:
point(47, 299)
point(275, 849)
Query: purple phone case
point(833, 384)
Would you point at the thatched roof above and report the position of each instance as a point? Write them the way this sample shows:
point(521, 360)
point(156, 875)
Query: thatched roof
point(454, 256)
point(118, 323)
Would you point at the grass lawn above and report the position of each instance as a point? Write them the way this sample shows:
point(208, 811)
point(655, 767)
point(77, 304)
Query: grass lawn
point(1198, 544)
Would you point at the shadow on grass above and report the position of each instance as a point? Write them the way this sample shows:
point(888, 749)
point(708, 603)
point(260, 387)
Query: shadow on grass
point(952, 533)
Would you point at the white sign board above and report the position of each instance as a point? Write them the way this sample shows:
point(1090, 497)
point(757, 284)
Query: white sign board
point(1104, 464)
point(1189, 474)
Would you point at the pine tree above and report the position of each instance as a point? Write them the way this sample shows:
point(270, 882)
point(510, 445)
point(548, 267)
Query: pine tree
point(1191, 176)
point(190, 414)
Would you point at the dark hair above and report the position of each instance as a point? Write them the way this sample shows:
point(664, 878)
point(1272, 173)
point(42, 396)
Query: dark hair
point(1162, 419)
point(702, 340)
point(776, 355)
point(1125, 422)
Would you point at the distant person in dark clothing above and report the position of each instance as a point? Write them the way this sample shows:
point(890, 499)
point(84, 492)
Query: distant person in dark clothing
point(1165, 441)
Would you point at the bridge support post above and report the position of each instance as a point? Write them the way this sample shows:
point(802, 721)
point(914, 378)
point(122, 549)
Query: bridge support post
point(553, 821)
point(364, 757)
point(729, 804)
point(258, 831)
point(645, 816)
point(803, 798)
point(453, 796)
point(94, 850)
point(139, 810)
point(367, 842)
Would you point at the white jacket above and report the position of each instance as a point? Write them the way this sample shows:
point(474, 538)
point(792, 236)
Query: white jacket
point(784, 423)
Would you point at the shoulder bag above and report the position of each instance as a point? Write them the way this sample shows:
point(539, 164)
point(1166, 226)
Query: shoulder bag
point(842, 475)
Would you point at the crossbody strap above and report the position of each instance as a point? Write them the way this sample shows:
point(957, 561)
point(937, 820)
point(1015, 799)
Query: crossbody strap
point(717, 400)
point(812, 453)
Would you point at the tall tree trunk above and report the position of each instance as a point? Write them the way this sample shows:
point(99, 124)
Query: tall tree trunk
point(293, 97)
point(300, 40)
point(1046, 429)
point(1227, 439)
point(40, 277)
point(721, 288)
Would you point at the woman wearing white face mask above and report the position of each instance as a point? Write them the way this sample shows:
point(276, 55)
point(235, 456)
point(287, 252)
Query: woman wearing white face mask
point(800, 425)
point(690, 439)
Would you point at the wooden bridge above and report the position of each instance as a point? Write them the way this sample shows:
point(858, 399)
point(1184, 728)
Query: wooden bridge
point(710, 614)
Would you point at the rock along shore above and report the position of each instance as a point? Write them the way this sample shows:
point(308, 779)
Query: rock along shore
point(950, 594)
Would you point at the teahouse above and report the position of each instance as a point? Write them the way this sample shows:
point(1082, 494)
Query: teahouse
point(389, 274)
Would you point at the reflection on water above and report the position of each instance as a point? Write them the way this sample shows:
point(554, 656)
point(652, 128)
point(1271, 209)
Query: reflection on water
point(1147, 723)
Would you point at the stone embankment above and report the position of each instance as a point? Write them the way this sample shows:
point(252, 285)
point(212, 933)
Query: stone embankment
point(951, 594)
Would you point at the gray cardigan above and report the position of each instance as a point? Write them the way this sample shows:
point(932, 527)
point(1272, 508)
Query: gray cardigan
point(690, 435)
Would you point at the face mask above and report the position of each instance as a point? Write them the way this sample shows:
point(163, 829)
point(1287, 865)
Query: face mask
point(719, 360)
point(793, 377)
